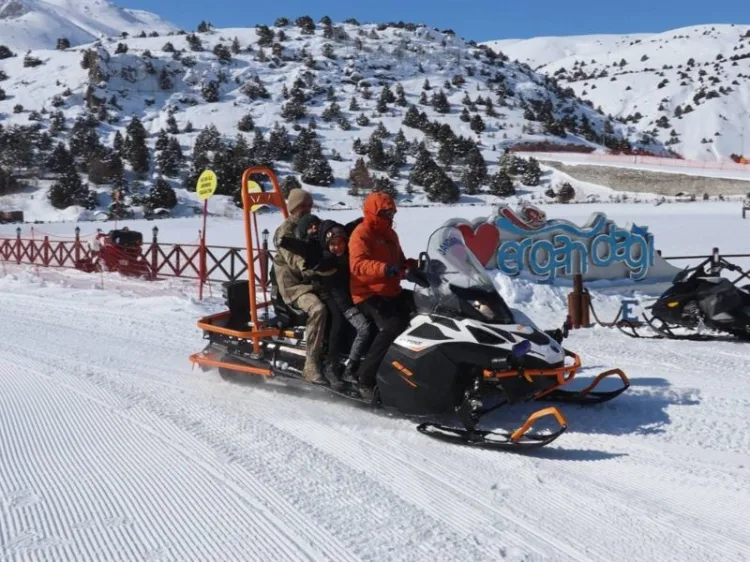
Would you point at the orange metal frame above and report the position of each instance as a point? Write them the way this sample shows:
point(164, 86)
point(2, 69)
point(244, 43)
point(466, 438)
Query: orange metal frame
point(258, 331)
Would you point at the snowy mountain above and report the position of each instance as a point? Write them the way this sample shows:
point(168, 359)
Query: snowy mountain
point(686, 87)
point(347, 88)
point(38, 24)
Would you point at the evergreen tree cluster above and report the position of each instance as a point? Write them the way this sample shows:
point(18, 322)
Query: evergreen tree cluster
point(8, 182)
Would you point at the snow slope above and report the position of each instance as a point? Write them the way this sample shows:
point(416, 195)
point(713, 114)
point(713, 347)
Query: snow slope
point(38, 24)
point(662, 71)
point(364, 58)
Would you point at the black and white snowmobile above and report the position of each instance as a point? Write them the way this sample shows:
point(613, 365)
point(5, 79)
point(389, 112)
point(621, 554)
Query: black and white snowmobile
point(464, 354)
point(701, 301)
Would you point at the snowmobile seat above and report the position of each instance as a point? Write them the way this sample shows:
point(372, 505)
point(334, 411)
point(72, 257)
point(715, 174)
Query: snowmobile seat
point(287, 316)
point(127, 238)
point(237, 299)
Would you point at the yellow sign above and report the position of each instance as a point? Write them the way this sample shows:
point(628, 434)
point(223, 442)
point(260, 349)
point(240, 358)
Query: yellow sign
point(254, 187)
point(206, 185)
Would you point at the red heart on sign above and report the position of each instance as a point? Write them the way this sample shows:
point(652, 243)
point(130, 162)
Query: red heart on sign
point(482, 242)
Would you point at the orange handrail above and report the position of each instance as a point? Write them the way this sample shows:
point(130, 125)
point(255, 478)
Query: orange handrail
point(274, 198)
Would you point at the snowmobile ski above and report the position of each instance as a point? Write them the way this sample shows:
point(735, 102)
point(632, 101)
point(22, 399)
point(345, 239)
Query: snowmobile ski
point(588, 395)
point(518, 440)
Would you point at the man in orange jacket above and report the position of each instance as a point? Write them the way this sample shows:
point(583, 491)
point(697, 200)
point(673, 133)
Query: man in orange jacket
point(377, 266)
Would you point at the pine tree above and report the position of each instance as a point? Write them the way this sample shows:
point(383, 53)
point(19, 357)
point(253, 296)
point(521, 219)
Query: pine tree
point(137, 152)
point(412, 119)
point(164, 80)
point(162, 140)
point(566, 193)
point(290, 182)
point(170, 158)
point(279, 144)
point(423, 168)
point(439, 102)
point(293, 110)
point(104, 166)
point(210, 91)
point(8, 182)
point(246, 123)
point(477, 124)
point(359, 176)
point(354, 104)
point(332, 112)
point(259, 151)
point(400, 96)
point(236, 48)
point(384, 184)
point(442, 188)
point(162, 195)
point(68, 190)
point(118, 143)
point(376, 154)
point(501, 184)
point(208, 140)
point(318, 171)
point(172, 127)
point(59, 160)
point(446, 154)
point(533, 174)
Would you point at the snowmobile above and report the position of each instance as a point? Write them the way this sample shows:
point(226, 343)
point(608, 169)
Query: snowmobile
point(118, 250)
point(701, 300)
point(464, 354)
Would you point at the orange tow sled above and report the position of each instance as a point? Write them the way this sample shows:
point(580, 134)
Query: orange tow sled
point(462, 356)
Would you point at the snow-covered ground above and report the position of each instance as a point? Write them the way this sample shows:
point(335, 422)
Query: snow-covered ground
point(112, 448)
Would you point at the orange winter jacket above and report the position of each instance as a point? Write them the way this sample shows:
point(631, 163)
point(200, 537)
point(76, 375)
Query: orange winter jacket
point(373, 246)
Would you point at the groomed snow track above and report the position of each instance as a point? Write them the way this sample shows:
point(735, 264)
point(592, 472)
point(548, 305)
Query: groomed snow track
point(111, 448)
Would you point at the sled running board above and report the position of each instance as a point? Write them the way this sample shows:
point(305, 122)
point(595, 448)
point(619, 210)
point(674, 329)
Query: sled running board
point(588, 395)
point(519, 440)
point(207, 360)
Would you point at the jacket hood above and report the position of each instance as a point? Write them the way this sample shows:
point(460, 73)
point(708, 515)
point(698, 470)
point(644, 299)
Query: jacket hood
point(303, 224)
point(374, 203)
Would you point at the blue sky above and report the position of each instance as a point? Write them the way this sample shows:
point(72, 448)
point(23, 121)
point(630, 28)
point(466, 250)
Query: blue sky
point(480, 20)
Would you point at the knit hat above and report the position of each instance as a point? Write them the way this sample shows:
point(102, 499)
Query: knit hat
point(329, 231)
point(304, 224)
point(297, 196)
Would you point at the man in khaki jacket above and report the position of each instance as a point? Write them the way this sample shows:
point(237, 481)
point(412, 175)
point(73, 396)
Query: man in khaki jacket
point(294, 281)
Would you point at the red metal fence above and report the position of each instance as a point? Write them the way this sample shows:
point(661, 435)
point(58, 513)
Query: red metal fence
point(223, 263)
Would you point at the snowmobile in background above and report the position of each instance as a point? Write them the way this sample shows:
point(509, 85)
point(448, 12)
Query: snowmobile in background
point(700, 300)
point(118, 250)
point(464, 354)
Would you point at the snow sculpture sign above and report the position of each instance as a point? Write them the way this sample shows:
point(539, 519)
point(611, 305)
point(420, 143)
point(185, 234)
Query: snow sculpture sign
point(525, 242)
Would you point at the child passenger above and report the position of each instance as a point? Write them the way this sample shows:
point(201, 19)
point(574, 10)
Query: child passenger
point(336, 294)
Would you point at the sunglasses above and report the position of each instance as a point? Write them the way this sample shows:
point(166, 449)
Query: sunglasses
point(387, 213)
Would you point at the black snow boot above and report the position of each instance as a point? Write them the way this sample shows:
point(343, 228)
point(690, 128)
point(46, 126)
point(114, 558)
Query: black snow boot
point(331, 373)
point(350, 371)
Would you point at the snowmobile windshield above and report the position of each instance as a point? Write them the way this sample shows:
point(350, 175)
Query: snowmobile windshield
point(459, 284)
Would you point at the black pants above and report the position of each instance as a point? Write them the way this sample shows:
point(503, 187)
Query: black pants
point(338, 332)
point(391, 317)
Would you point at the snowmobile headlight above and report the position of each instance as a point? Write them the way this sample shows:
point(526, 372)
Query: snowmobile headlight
point(673, 304)
point(521, 349)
